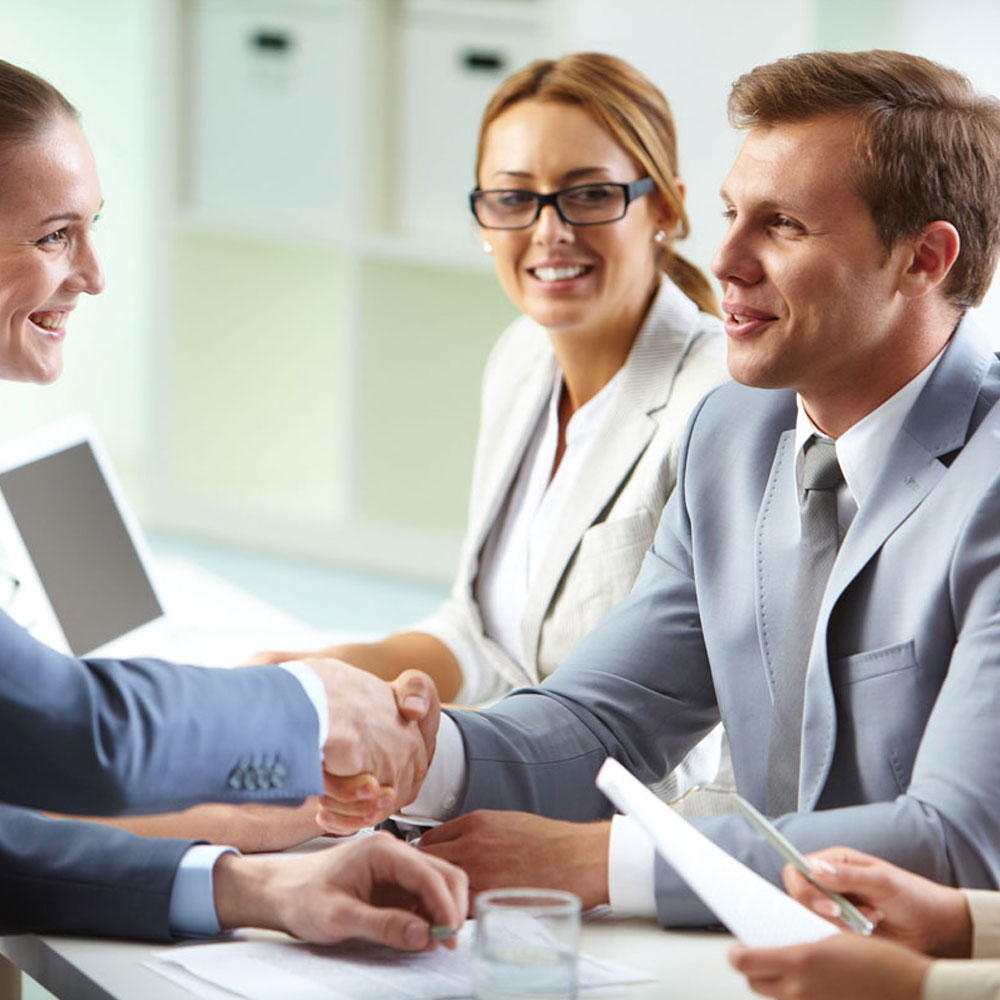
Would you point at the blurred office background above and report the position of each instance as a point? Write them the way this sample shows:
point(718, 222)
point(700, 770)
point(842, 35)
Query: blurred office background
point(287, 356)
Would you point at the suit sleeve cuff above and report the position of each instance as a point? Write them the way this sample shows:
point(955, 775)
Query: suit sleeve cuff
point(984, 910)
point(315, 691)
point(961, 979)
point(192, 898)
point(631, 867)
point(445, 781)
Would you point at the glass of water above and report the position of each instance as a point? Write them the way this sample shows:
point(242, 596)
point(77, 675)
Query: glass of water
point(526, 944)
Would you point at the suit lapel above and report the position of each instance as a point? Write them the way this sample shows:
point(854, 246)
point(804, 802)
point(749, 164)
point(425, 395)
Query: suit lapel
point(645, 383)
point(937, 425)
point(528, 400)
point(776, 550)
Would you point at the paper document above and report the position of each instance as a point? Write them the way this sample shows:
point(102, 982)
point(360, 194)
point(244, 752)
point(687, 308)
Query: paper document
point(263, 970)
point(757, 912)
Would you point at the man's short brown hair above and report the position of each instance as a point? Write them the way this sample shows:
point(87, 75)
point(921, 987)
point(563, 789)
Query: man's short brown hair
point(927, 145)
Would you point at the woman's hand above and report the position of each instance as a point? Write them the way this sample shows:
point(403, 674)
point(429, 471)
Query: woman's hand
point(842, 967)
point(904, 907)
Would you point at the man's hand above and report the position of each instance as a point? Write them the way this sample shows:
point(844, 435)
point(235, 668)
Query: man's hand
point(379, 746)
point(376, 888)
point(908, 908)
point(498, 849)
point(844, 965)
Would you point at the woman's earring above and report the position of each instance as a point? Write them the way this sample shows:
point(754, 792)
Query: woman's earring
point(659, 236)
point(487, 246)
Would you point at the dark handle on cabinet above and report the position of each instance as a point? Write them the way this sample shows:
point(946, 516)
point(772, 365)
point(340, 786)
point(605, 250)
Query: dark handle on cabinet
point(479, 60)
point(269, 40)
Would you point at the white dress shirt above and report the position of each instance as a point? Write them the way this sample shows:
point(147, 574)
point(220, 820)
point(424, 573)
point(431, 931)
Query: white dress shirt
point(861, 451)
point(524, 526)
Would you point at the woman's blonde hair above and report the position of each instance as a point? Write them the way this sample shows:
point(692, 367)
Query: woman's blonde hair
point(636, 113)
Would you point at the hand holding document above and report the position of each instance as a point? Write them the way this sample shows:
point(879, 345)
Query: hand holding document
point(758, 913)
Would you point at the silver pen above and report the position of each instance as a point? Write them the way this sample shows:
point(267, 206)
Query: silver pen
point(849, 913)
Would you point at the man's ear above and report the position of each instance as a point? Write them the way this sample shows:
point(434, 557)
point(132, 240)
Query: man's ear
point(933, 251)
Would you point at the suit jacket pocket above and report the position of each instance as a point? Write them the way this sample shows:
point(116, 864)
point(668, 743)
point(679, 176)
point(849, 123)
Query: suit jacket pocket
point(882, 709)
point(875, 663)
point(606, 537)
point(600, 574)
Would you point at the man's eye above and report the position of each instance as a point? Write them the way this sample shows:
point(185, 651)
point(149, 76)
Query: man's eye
point(783, 222)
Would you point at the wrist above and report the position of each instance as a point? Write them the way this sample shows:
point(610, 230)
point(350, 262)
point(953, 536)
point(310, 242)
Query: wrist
point(955, 937)
point(588, 845)
point(243, 890)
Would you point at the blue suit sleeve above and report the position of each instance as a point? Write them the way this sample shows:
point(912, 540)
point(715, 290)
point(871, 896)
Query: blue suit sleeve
point(104, 737)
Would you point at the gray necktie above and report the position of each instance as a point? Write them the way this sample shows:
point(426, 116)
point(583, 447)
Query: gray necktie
point(821, 476)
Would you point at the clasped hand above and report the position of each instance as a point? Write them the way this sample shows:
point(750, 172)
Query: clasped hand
point(379, 746)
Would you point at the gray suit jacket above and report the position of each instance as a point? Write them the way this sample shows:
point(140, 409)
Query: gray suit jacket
point(102, 736)
point(901, 743)
point(68, 877)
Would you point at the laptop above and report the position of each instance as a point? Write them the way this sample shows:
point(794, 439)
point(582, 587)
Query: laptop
point(76, 570)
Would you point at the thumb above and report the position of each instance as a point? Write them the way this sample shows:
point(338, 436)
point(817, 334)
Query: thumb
point(416, 695)
point(386, 925)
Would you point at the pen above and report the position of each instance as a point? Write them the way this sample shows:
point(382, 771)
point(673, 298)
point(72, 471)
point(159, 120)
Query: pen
point(849, 913)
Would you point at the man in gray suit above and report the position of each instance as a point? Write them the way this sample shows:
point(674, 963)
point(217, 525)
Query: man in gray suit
point(864, 220)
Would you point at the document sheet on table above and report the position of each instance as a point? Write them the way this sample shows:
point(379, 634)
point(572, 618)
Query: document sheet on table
point(263, 970)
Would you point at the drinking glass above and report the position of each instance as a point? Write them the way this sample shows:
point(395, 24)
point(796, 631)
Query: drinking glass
point(526, 944)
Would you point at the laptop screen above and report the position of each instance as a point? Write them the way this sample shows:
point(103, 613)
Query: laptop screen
point(81, 549)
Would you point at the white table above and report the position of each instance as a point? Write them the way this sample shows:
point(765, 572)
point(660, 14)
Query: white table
point(686, 964)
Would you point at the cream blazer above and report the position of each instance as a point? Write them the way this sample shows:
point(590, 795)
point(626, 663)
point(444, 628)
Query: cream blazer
point(951, 979)
point(594, 556)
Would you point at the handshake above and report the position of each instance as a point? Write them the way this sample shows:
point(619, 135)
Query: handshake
point(379, 745)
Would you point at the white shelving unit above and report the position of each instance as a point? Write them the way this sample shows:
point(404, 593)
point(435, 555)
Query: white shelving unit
point(330, 306)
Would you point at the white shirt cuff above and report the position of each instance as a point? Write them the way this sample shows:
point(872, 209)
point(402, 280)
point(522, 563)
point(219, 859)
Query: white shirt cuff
point(445, 779)
point(631, 870)
point(192, 898)
point(315, 691)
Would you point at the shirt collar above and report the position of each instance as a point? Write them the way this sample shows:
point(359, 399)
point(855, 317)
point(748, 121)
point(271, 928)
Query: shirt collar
point(862, 448)
point(587, 418)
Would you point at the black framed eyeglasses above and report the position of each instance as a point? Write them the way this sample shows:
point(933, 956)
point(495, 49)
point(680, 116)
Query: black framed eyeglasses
point(581, 205)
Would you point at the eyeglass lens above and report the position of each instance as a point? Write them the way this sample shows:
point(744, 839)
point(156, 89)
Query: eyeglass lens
point(588, 204)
